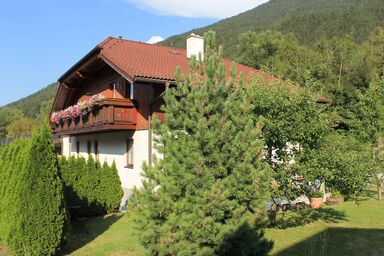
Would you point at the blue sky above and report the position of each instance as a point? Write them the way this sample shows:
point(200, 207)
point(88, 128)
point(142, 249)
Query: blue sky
point(41, 39)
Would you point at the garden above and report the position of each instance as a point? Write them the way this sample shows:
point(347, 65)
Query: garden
point(344, 229)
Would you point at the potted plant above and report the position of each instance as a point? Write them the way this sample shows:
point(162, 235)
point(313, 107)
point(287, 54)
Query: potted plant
point(336, 198)
point(316, 200)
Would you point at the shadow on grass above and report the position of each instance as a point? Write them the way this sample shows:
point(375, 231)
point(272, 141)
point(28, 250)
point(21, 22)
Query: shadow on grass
point(85, 232)
point(246, 240)
point(340, 242)
point(305, 216)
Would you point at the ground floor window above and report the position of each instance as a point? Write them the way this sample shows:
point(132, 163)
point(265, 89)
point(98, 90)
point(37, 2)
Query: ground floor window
point(89, 147)
point(129, 153)
point(78, 148)
point(96, 148)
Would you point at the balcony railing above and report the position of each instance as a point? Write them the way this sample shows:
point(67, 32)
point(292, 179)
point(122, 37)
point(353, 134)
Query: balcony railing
point(109, 115)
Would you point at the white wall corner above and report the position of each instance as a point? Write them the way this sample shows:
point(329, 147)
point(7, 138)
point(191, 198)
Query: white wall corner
point(195, 46)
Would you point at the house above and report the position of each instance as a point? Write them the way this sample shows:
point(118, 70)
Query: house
point(109, 97)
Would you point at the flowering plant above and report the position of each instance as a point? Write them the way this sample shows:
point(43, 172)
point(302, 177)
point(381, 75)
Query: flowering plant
point(81, 109)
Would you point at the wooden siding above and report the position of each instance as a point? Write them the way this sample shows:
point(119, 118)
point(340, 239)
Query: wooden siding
point(146, 97)
point(111, 115)
point(100, 84)
point(143, 96)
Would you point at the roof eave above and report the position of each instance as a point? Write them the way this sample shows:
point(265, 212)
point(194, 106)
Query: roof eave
point(78, 64)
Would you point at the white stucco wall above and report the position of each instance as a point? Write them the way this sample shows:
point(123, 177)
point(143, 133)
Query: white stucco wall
point(195, 46)
point(66, 146)
point(112, 147)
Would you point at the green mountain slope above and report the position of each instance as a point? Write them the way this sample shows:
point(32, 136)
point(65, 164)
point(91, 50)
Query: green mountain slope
point(31, 105)
point(308, 19)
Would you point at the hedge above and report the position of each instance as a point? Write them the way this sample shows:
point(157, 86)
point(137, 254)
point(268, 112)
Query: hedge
point(32, 207)
point(34, 193)
point(96, 188)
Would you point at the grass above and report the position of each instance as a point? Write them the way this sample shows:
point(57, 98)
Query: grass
point(113, 235)
point(346, 229)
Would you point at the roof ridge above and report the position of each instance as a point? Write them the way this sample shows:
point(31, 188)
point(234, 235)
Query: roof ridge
point(144, 43)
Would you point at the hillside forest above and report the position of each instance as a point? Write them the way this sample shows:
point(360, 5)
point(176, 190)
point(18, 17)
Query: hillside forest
point(334, 47)
point(23, 116)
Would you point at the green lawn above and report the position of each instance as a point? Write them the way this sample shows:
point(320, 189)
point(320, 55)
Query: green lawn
point(346, 229)
point(113, 235)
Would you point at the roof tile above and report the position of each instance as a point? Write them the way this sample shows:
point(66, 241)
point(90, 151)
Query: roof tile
point(138, 59)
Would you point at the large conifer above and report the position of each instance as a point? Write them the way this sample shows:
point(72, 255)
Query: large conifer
point(204, 197)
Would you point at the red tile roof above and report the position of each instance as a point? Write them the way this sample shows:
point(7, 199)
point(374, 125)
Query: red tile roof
point(142, 60)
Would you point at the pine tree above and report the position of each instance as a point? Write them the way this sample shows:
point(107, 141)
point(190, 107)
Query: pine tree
point(204, 197)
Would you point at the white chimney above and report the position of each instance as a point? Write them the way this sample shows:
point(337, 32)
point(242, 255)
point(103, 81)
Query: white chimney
point(195, 46)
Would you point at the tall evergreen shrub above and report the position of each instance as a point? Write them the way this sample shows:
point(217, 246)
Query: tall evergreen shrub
point(32, 205)
point(96, 188)
point(110, 186)
point(205, 196)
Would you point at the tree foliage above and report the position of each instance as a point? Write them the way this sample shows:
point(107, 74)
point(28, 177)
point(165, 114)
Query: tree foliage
point(7, 116)
point(341, 161)
point(20, 127)
point(309, 20)
point(205, 196)
point(292, 123)
point(32, 204)
point(96, 188)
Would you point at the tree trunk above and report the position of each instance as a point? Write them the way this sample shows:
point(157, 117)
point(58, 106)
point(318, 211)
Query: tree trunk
point(379, 191)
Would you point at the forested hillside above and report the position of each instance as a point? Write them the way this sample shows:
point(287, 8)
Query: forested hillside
point(334, 47)
point(30, 106)
point(309, 20)
point(22, 116)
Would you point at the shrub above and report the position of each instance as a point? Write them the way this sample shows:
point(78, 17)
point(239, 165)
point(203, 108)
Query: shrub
point(110, 187)
point(97, 188)
point(11, 161)
point(32, 205)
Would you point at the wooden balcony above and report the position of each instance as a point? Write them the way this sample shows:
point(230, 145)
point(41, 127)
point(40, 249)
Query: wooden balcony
point(110, 115)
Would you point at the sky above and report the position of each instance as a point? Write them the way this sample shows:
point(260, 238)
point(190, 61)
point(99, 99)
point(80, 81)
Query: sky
point(41, 39)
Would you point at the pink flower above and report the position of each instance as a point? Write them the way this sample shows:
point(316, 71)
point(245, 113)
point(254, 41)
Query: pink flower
point(78, 110)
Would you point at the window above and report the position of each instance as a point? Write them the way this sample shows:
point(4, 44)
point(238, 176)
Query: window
point(127, 87)
point(78, 148)
point(129, 153)
point(89, 147)
point(112, 87)
point(96, 148)
point(131, 90)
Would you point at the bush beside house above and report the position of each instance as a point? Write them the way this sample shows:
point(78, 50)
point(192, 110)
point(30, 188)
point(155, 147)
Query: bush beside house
point(34, 192)
point(96, 188)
